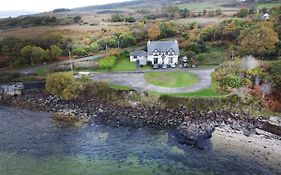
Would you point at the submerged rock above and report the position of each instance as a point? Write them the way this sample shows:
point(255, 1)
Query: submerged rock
point(193, 133)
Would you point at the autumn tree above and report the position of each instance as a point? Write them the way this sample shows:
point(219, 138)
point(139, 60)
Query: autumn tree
point(258, 40)
point(154, 32)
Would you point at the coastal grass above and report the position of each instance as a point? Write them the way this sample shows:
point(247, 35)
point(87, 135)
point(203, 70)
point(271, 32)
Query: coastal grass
point(171, 79)
point(208, 92)
point(119, 87)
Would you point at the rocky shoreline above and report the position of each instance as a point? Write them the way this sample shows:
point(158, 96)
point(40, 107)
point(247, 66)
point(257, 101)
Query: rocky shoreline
point(189, 127)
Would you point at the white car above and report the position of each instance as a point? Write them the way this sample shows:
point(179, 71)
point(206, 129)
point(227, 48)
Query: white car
point(173, 65)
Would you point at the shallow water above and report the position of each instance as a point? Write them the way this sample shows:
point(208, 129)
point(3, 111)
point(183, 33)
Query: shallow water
point(31, 143)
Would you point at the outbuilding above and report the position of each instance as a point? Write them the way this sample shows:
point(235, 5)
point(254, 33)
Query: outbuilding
point(139, 56)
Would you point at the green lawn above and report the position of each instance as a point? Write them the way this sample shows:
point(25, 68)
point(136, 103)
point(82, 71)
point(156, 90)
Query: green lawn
point(124, 64)
point(208, 92)
point(268, 5)
point(171, 79)
point(119, 87)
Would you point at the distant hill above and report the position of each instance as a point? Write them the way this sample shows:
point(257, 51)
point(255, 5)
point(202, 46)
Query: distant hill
point(128, 4)
point(14, 13)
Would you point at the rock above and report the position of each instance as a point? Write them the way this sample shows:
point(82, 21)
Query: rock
point(192, 133)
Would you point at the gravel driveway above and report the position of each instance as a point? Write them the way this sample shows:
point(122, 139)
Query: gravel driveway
point(137, 80)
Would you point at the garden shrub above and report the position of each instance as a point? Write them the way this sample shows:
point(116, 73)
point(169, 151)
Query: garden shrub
point(107, 63)
point(62, 84)
point(97, 90)
point(79, 51)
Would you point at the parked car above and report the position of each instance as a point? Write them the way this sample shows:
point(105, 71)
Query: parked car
point(164, 66)
point(173, 65)
point(155, 66)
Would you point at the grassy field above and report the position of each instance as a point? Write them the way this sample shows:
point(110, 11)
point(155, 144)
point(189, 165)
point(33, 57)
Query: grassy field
point(198, 6)
point(119, 87)
point(171, 79)
point(124, 64)
point(202, 20)
point(268, 5)
point(208, 92)
point(214, 56)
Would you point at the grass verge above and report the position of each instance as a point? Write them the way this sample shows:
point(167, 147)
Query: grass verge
point(171, 79)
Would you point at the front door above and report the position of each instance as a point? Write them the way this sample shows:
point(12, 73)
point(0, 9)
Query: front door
point(155, 61)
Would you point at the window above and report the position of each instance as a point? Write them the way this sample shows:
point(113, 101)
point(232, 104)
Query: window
point(170, 60)
point(155, 60)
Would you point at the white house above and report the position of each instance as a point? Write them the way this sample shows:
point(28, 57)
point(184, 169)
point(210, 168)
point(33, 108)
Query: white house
point(163, 53)
point(139, 56)
point(265, 16)
point(160, 53)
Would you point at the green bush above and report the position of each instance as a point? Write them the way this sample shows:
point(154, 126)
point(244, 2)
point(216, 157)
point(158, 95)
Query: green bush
point(231, 81)
point(226, 76)
point(79, 51)
point(107, 63)
point(62, 84)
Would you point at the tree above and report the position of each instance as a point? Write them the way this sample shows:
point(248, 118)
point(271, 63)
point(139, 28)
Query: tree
point(211, 13)
point(116, 18)
point(243, 13)
point(204, 12)
point(26, 53)
point(79, 51)
point(38, 55)
point(11, 47)
point(184, 13)
point(258, 41)
point(167, 29)
point(62, 85)
point(77, 19)
point(218, 12)
point(107, 42)
point(127, 39)
point(55, 51)
point(153, 32)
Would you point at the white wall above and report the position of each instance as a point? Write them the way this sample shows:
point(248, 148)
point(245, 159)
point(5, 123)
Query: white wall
point(166, 59)
point(142, 59)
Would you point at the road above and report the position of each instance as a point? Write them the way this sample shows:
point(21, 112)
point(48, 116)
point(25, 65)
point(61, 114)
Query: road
point(137, 80)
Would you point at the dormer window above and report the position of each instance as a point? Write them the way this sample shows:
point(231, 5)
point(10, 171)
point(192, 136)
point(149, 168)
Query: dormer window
point(155, 52)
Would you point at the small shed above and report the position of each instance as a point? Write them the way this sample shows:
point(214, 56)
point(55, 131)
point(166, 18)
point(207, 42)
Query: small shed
point(139, 56)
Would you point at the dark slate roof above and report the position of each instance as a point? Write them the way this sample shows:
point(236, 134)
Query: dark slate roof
point(163, 46)
point(138, 53)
